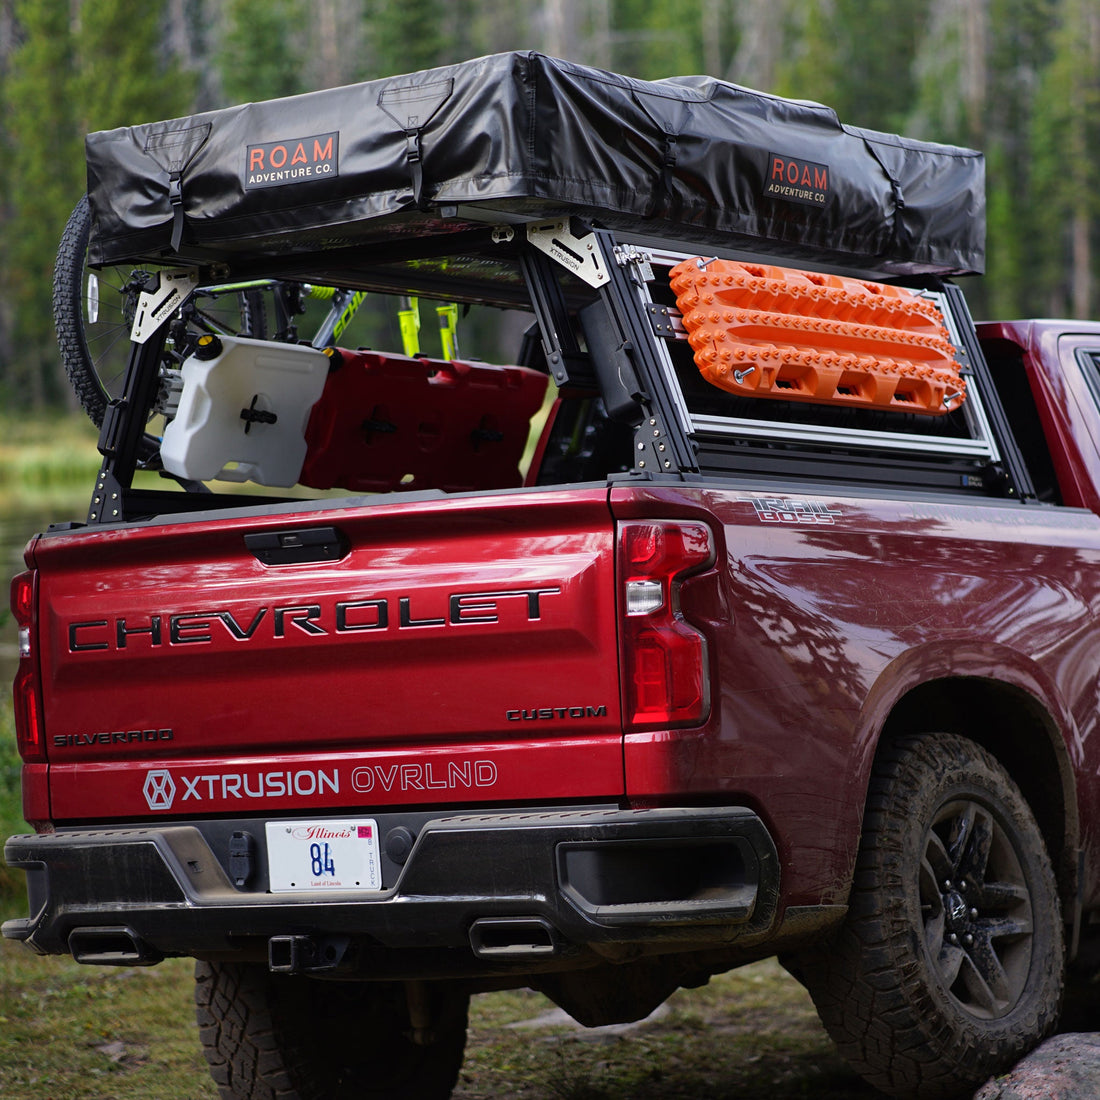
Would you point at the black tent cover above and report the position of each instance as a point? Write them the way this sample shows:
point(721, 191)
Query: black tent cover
point(518, 137)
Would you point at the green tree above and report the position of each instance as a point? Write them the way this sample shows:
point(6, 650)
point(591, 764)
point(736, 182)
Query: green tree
point(407, 35)
point(977, 69)
point(1015, 78)
point(477, 27)
point(74, 67)
point(856, 56)
point(1066, 149)
point(7, 45)
point(124, 74)
point(259, 52)
point(649, 42)
point(1019, 49)
point(43, 176)
point(806, 61)
point(674, 38)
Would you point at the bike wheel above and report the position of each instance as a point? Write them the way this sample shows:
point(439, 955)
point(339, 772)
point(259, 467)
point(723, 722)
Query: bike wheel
point(94, 311)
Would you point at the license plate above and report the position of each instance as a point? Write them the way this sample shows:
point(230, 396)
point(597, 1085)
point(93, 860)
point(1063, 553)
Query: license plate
point(323, 855)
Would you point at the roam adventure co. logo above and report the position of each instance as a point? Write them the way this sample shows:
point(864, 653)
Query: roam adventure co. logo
point(797, 180)
point(299, 160)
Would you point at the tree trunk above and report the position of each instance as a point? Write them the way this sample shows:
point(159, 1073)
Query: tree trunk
point(559, 27)
point(711, 15)
point(761, 42)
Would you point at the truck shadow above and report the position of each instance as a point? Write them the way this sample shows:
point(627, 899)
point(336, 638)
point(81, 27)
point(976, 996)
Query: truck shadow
point(750, 1035)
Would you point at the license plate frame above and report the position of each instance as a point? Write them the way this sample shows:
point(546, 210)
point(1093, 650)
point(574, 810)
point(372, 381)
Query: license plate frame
point(324, 854)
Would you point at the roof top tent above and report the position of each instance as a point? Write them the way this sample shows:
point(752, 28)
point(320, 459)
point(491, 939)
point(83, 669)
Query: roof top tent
point(519, 179)
point(521, 137)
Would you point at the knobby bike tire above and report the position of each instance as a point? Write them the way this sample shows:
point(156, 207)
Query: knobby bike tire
point(95, 350)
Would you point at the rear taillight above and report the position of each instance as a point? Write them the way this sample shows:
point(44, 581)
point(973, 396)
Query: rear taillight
point(666, 681)
point(26, 695)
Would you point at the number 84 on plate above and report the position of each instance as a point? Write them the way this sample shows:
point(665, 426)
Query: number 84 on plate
point(323, 855)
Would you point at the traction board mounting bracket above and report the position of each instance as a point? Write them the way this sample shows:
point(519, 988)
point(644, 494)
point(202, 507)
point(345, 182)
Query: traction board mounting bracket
point(576, 254)
point(155, 306)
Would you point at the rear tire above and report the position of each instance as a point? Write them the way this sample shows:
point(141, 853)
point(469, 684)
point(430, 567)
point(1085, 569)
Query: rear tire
point(950, 964)
point(281, 1037)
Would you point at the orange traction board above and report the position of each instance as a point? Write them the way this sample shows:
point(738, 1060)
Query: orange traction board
point(764, 331)
point(386, 422)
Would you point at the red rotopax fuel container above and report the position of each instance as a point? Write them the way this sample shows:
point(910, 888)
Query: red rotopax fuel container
point(386, 422)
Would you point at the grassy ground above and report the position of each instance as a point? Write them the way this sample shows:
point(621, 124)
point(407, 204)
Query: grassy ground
point(69, 1032)
point(11, 814)
point(749, 1035)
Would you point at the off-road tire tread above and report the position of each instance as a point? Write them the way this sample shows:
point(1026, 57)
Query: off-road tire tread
point(238, 1034)
point(251, 1024)
point(869, 983)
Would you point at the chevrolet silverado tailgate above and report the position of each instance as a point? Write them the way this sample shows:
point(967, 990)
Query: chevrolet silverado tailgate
point(418, 652)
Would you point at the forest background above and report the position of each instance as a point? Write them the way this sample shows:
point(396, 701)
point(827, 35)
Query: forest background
point(1018, 79)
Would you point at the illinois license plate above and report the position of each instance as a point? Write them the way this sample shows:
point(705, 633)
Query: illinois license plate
point(323, 855)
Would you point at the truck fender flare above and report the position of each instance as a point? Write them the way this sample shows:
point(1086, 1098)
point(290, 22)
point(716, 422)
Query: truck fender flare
point(993, 695)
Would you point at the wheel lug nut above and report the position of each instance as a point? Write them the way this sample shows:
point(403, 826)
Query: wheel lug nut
point(953, 938)
point(973, 913)
point(947, 884)
point(968, 940)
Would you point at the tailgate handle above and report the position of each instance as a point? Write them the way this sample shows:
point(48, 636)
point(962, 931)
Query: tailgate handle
point(301, 545)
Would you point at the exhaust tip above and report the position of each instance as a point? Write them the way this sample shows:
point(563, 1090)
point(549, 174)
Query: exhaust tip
point(111, 946)
point(506, 938)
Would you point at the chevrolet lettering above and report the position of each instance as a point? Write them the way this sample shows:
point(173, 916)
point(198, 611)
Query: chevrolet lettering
point(309, 619)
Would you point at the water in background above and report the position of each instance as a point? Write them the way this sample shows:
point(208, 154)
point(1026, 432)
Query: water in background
point(19, 519)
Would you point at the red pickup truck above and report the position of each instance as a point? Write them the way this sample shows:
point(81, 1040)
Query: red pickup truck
point(749, 610)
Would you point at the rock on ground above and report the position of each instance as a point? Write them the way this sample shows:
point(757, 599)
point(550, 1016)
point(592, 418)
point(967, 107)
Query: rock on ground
point(1066, 1067)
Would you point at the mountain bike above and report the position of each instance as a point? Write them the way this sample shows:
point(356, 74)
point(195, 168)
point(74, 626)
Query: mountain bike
point(94, 313)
